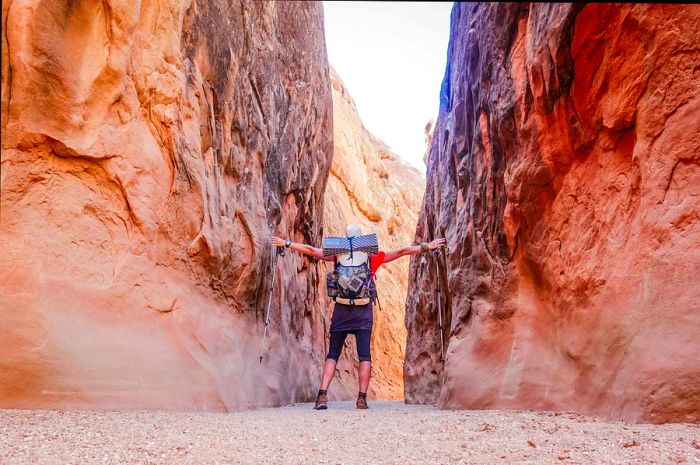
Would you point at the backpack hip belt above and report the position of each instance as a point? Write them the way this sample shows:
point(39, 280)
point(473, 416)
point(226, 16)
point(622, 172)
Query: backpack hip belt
point(358, 302)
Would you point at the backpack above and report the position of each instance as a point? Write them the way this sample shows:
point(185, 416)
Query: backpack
point(351, 282)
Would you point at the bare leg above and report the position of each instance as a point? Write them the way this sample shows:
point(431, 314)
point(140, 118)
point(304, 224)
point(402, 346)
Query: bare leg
point(328, 373)
point(364, 372)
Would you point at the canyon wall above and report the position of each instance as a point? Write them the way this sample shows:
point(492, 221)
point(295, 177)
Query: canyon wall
point(564, 173)
point(370, 186)
point(149, 151)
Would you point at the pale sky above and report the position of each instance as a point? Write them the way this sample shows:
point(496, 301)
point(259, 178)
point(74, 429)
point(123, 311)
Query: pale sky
point(391, 57)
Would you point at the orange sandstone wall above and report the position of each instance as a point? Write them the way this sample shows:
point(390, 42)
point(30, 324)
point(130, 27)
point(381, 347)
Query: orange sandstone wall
point(370, 186)
point(565, 173)
point(149, 150)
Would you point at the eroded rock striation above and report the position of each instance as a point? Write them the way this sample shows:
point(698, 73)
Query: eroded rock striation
point(372, 187)
point(149, 151)
point(565, 174)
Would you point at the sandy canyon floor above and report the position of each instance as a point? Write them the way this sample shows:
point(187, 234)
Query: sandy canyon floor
point(389, 433)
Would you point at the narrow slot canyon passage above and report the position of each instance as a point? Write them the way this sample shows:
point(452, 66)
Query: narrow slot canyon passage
point(373, 188)
point(153, 153)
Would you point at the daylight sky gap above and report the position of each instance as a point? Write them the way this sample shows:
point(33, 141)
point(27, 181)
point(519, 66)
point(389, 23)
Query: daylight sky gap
point(391, 57)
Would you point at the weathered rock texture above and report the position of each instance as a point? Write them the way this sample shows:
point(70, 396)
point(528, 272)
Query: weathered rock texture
point(564, 172)
point(149, 150)
point(370, 186)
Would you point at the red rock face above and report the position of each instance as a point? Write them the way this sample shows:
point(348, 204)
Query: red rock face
point(371, 187)
point(564, 172)
point(148, 153)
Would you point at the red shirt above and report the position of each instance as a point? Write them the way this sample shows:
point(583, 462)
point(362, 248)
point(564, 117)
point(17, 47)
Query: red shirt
point(375, 261)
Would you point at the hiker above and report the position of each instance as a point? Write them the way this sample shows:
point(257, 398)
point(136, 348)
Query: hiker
point(352, 313)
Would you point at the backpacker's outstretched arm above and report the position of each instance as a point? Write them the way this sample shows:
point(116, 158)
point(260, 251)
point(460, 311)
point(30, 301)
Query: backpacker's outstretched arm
point(303, 248)
point(411, 250)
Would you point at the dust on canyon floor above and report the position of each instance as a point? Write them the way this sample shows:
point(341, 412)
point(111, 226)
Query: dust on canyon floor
point(390, 432)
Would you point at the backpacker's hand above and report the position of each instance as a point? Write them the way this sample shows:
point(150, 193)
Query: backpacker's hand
point(436, 244)
point(302, 248)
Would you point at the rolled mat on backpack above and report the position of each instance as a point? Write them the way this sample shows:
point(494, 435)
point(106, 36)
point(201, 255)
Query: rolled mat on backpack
point(340, 245)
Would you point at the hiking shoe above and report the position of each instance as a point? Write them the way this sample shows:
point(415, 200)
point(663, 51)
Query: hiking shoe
point(321, 402)
point(361, 403)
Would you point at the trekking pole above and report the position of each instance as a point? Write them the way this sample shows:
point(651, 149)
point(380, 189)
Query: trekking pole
point(278, 252)
point(436, 254)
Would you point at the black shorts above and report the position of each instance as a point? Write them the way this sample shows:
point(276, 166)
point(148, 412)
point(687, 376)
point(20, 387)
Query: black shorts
point(362, 338)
